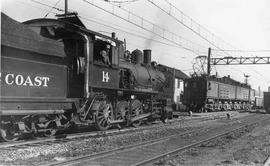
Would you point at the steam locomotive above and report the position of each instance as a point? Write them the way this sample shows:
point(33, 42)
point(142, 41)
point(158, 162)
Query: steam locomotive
point(209, 93)
point(52, 79)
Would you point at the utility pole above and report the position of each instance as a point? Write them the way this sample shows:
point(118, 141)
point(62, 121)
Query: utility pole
point(66, 7)
point(208, 62)
point(66, 12)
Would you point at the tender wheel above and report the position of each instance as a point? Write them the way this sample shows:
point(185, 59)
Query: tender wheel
point(47, 123)
point(51, 129)
point(9, 135)
point(136, 110)
point(103, 116)
point(50, 132)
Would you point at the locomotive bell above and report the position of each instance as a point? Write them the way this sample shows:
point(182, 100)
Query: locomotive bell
point(147, 57)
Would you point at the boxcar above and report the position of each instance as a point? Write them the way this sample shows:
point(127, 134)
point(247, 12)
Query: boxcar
point(211, 93)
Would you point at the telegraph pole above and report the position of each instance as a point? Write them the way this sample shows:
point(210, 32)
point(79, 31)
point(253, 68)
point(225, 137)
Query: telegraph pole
point(66, 7)
point(66, 13)
point(208, 62)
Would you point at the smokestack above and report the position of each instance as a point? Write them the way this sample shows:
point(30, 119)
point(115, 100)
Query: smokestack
point(113, 35)
point(147, 57)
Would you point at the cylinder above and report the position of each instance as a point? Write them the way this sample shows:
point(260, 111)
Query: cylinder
point(147, 57)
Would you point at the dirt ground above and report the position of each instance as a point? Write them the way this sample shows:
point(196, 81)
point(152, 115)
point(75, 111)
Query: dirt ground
point(223, 152)
point(250, 147)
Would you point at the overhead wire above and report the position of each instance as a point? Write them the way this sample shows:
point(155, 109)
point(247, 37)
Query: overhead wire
point(91, 20)
point(185, 25)
point(243, 50)
point(51, 9)
point(130, 13)
point(56, 8)
point(28, 4)
point(59, 9)
point(120, 3)
point(128, 32)
point(224, 51)
point(200, 27)
point(87, 18)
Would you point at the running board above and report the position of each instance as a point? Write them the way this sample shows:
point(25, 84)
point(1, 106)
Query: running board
point(140, 117)
point(116, 121)
point(30, 112)
point(132, 120)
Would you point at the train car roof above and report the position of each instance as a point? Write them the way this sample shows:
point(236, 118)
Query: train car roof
point(17, 35)
point(225, 79)
point(71, 23)
point(178, 73)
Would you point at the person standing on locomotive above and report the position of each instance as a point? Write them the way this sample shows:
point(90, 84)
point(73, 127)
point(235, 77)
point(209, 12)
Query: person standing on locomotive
point(105, 55)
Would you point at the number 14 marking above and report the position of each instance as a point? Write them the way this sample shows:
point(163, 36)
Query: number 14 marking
point(105, 77)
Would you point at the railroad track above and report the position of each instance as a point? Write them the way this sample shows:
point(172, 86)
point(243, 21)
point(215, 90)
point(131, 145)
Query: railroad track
point(82, 135)
point(148, 152)
point(77, 136)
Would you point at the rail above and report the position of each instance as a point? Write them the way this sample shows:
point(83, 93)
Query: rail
point(150, 151)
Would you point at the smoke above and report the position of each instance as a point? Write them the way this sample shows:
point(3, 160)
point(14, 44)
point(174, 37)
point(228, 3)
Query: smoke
point(161, 21)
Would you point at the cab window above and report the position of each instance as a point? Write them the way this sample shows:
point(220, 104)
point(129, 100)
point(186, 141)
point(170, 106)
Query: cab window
point(105, 53)
point(102, 50)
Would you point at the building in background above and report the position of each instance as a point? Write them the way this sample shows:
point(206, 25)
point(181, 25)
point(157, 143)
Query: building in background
point(175, 86)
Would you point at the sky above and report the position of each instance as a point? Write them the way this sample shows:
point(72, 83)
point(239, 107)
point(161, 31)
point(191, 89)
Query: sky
point(242, 24)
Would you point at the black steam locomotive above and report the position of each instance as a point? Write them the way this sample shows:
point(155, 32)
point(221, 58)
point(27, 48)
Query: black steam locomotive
point(209, 93)
point(52, 78)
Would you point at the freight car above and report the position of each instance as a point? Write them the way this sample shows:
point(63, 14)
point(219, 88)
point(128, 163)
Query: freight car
point(209, 93)
point(53, 77)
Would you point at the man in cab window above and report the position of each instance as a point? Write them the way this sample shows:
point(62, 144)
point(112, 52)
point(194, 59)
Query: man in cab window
point(105, 55)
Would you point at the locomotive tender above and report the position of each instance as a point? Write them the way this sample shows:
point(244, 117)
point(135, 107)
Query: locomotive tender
point(209, 93)
point(52, 78)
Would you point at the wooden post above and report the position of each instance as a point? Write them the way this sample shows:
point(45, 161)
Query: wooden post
point(208, 62)
point(66, 7)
